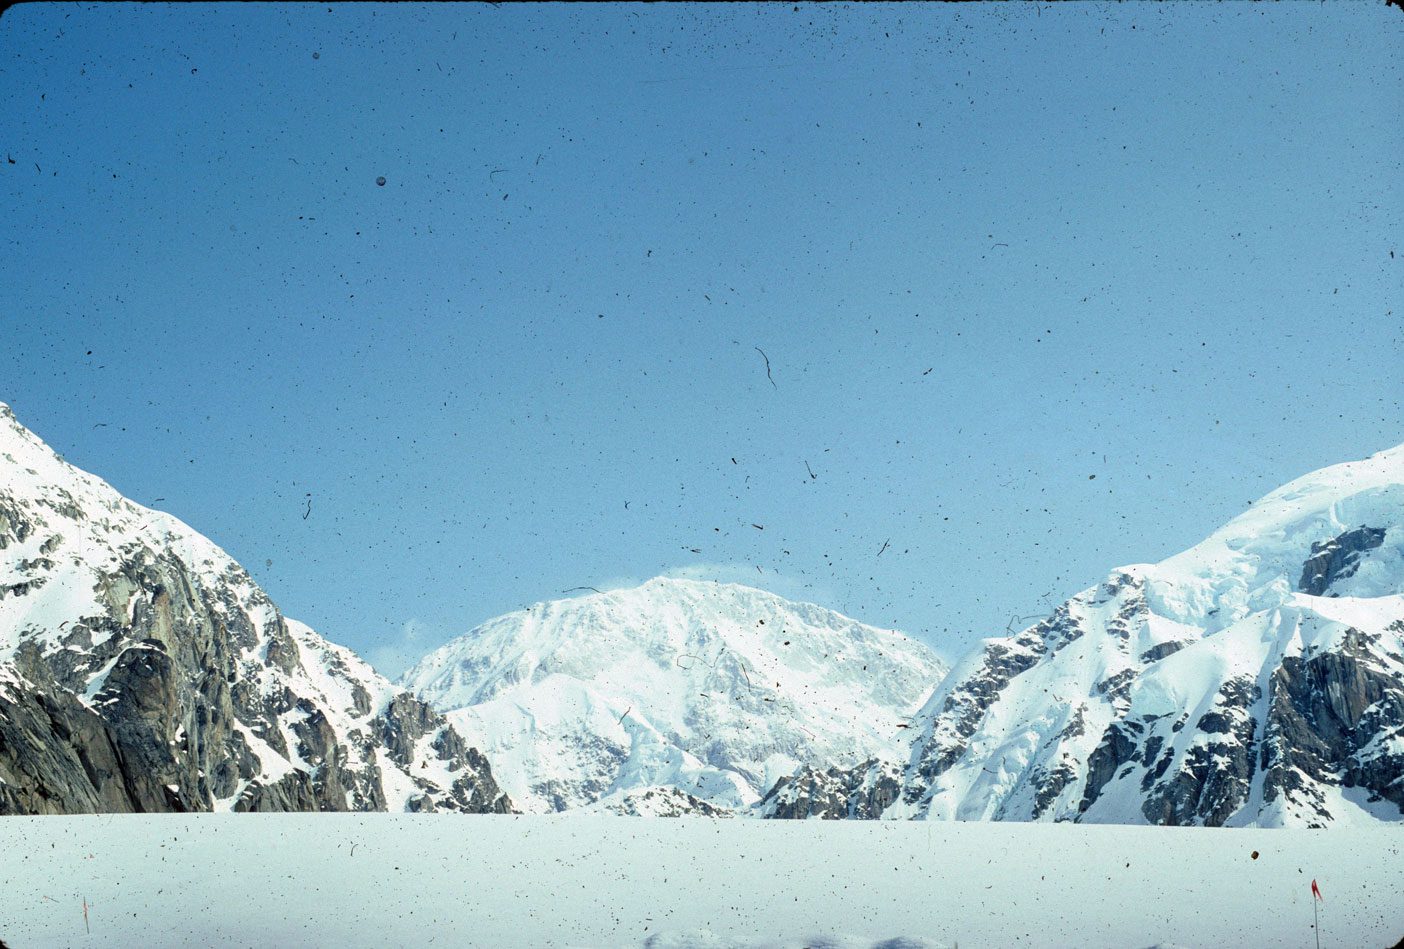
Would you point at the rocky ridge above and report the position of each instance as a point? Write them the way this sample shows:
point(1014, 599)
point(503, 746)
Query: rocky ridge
point(142, 669)
point(1257, 678)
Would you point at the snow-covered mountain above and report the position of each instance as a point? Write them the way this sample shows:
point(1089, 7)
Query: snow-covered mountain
point(677, 696)
point(1257, 678)
point(141, 669)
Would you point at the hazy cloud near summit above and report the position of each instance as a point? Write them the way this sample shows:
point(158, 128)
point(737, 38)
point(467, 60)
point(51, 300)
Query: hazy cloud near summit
point(391, 658)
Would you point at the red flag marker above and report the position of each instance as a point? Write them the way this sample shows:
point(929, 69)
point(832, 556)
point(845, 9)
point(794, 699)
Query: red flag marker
point(1315, 916)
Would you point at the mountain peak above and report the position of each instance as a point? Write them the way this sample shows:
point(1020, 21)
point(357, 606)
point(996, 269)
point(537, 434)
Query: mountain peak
point(712, 689)
point(1261, 556)
point(668, 585)
point(142, 669)
point(15, 437)
point(1252, 679)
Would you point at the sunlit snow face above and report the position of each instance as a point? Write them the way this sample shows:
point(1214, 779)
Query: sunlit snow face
point(715, 689)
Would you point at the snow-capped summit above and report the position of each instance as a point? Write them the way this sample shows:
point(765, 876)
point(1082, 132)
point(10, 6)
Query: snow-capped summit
point(674, 696)
point(142, 669)
point(1323, 534)
point(1256, 678)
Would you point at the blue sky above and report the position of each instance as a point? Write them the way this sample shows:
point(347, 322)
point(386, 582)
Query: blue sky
point(1043, 290)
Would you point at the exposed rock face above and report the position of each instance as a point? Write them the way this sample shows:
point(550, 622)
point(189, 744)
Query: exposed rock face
point(141, 669)
point(1215, 773)
point(1335, 718)
point(1337, 559)
point(1257, 678)
point(860, 793)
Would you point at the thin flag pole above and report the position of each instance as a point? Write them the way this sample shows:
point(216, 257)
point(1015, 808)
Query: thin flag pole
point(1315, 913)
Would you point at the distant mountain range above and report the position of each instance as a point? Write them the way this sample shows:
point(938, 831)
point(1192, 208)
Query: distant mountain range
point(1257, 678)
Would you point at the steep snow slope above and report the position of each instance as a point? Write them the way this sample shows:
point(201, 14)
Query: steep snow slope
point(141, 669)
point(677, 696)
point(1257, 678)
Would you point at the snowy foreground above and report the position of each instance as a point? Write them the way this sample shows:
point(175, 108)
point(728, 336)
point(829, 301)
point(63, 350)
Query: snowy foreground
point(539, 881)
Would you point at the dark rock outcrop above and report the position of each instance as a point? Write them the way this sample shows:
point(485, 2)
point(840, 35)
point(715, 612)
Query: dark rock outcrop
point(860, 793)
point(1337, 558)
point(1336, 715)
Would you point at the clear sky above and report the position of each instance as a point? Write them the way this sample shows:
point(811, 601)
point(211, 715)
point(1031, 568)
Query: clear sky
point(1043, 290)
